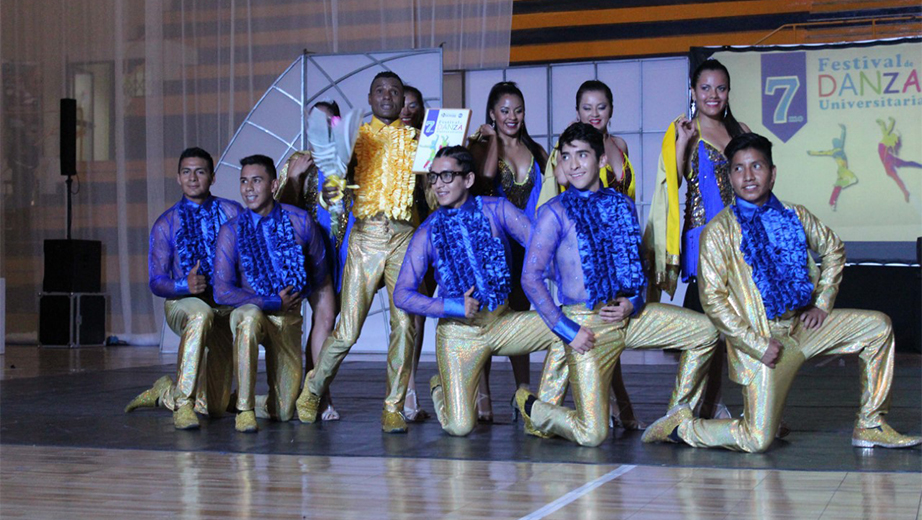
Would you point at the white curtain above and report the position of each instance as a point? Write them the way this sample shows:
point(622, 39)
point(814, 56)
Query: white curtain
point(151, 78)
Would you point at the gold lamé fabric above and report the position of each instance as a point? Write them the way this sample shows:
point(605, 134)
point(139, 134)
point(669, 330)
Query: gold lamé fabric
point(694, 204)
point(516, 193)
point(205, 361)
point(464, 346)
point(384, 170)
point(733, 302)
point(375, 252)
point(658, 326)
point(845, 331)
point(280, 334)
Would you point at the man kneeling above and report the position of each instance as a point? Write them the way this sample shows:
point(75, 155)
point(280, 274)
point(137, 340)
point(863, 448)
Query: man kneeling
point(466, 241)
point(760, 287)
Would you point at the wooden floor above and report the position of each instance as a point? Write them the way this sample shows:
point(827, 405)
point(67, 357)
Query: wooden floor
point(54, 482)
point(48, 482)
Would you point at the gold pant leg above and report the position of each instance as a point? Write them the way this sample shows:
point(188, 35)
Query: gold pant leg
point(280, 334)
point(249, 326)
point(662, 326)
point(554, 375)
point(868, 334)
point(463, 348)
point(365, 261)
point(403, 329)
point(376, 250)
point(590, 383)
point(461, 352)
point(284, 365)
point(215, 393)
point(192, 319)
point(763, 405)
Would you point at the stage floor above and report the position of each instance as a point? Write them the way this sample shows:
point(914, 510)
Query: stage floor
point(67, 415)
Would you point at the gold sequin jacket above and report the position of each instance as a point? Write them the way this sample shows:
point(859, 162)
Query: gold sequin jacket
point(731, 299)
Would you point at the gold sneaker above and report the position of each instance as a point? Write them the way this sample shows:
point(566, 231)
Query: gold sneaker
point(659, 431)
point(393, 422)
point(184, 418)
point(149, 397)
point(883, 436)
point(530, 430)
point(246, 422)
point(521, 397)
point(307, 404)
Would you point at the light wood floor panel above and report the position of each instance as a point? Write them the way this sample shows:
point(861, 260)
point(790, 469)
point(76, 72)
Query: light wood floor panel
point(50, 482)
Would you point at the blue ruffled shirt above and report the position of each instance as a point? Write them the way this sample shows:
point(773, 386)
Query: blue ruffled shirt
point(505, 220)
point(774, 245)
point(231, 285)
point(166, 275)
point(554, 251)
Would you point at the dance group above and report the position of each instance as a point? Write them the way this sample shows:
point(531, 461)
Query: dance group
point(493, 230)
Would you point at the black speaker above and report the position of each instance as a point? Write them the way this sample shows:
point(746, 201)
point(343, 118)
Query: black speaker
point(72, 266)
point(72, 319)
point(68, 137)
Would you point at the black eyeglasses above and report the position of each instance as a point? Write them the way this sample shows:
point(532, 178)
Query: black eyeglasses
point(447, 176)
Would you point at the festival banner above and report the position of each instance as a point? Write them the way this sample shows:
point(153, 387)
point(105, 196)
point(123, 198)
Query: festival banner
point(441, 127)
point(846, 125)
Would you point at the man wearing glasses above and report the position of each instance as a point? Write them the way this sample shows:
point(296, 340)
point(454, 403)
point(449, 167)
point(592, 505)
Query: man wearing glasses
point(466, 241)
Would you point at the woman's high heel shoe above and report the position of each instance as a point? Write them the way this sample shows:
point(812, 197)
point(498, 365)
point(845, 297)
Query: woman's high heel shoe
point(411, 408)
point(629, 423)
point(484, 409)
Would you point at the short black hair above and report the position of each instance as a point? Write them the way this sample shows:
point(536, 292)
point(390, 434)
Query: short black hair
point(460, 154)
point(594, 85)
point(386, 74)
point(583, 132)
point(260, 160)
point(749, 141)
point(195, 151)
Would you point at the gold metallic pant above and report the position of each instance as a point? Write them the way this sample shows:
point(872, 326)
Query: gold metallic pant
point(280, 334)
point(204, 363)
point(463, 347)
point(658, 326)
point(845, 331)
point(376, 250)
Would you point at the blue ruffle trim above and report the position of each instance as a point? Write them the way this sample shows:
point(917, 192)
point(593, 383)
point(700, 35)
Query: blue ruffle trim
point(775, 246)
point(197, 235)
point(609, 244)
point(270, 265)
point(469, 255)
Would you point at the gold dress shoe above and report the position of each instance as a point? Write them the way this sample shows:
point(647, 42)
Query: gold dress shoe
point(246, 422)
point(883, 436)
point(184, 418)
point(521, 397)
point(530, 430)
point(393, 422)
point(308, 405)
point(660, 430)
point(149, 397)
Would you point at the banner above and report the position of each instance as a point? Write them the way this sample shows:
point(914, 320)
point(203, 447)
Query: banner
point(846, 125)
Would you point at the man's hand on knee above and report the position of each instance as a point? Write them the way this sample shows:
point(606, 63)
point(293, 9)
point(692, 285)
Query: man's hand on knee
point(813, 317)
point(584, 341)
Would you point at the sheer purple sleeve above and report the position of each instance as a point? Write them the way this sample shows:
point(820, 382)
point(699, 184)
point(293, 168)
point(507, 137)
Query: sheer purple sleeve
point(406, 291)
point(539, 256)
point(160, 261)
point(514, 221)
point(227, 285)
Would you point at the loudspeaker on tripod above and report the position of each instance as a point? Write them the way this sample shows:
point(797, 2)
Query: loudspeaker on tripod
point(68, 137)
